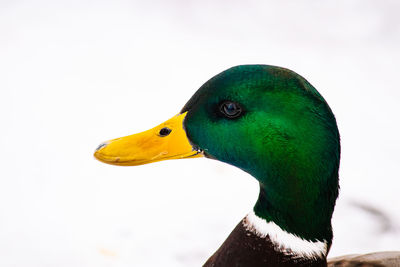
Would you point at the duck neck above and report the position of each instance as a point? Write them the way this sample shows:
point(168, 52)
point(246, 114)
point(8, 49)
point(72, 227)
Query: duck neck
point(296, 218)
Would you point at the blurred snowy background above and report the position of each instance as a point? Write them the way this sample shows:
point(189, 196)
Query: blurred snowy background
point(76, 73)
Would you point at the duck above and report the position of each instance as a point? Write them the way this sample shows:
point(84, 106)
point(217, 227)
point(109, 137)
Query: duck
point(273, 124)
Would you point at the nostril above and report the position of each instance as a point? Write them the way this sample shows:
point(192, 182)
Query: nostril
point(101, 146)
point(165, 131)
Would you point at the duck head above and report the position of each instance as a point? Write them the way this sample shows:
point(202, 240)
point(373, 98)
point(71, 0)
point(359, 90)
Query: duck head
point(269, 122)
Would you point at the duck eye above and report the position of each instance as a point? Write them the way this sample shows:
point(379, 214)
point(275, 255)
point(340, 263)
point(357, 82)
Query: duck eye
point(165, 131)
point(230, 109)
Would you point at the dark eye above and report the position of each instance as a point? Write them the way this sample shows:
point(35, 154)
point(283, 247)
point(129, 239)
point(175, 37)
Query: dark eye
point(164, 131)
point(230, 109)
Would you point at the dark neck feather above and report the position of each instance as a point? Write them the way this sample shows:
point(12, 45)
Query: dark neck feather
point(243, 248)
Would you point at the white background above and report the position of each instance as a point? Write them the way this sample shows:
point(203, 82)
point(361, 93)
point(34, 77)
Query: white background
point(76, 73)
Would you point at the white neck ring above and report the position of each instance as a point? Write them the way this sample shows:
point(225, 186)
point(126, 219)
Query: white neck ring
point(285, 242)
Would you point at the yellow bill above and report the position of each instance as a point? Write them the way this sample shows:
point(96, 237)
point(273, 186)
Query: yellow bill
point(166, 141)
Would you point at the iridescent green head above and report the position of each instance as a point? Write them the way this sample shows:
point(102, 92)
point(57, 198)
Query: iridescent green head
point(269, 122)
point(273, 124)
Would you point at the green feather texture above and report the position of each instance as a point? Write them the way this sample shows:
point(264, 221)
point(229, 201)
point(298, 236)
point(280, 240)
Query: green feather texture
point(286, 137)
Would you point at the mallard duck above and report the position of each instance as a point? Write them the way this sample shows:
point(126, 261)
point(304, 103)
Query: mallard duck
point(273, 124)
